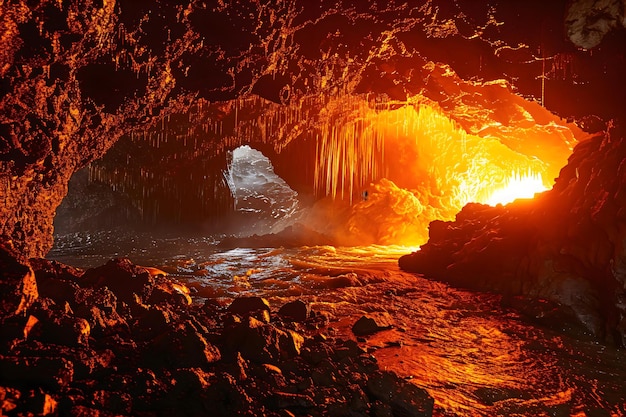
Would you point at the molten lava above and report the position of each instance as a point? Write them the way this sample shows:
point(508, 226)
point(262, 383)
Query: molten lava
point(517, 186)
point(401, 165)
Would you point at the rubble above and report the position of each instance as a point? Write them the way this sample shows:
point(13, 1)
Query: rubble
point(96, 347)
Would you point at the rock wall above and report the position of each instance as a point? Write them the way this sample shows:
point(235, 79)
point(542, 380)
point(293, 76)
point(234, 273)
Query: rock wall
point(77, 75)
point(568, 245)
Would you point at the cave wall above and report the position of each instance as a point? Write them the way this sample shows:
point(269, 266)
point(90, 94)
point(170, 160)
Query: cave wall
point(78, 75)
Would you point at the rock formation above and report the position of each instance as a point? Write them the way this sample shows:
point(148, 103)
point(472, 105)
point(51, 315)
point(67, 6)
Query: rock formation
point(122, 340)
point(77, 76)
point(567, 245)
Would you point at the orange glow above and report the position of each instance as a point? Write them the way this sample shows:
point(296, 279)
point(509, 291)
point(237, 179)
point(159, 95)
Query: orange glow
point(517, 186)
point(401, 165)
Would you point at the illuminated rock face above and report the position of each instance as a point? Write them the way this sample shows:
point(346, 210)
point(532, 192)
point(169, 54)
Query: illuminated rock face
point(568, 245)
point(77, 76)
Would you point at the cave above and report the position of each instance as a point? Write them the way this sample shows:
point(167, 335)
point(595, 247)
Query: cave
point(286, 208)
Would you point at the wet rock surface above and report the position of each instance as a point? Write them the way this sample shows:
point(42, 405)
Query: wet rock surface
point(566, 246)
point(89, 345)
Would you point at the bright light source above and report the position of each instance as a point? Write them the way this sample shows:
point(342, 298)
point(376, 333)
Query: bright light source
point(517, 186)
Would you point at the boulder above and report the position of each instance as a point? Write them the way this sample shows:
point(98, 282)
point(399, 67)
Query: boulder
point(85, 361)
point(246, 306)
point(372, 323)
point(55, 280)
point(123, 278)
point(182, 346)
point(166, 290)
point(100, 308)
point(41, 403)
point(260, 342)
point(9, 398)
point(296, 311)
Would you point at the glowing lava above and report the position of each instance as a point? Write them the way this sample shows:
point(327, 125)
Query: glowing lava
point(517, 186)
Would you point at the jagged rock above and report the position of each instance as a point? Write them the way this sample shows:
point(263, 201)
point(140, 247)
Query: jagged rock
point(245, 306)
point(123, 278)
point(324, 374)
point(372, 323)
point(347, 349)
point(152, 323)
point(17, 282)
point(404, 398)
point(181, 347)
point(193, 380)
point(100, 308)
point(316, 352)
point(55, 280)
point(225, 397)
point(119, 403)
point(167, 290)
point(260, 342)
point(58, 325)
point(380, 409)
point(85, 360)
point(49, 373)
point(270, 374)
point(556, 247)
point(297, 311)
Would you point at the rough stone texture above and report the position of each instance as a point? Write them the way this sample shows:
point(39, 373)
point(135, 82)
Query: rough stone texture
point(372, 323)
point(172, 358)
point(17, 282)
point(122, 277)
point(78, 75)
point(297, 311)
point(567, 245)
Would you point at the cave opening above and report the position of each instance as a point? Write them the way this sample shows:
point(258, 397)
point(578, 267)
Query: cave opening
point(263, 201)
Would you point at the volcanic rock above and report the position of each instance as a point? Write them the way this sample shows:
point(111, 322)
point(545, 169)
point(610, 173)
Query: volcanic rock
point(260, 342)
point(170, 291)
point(142, 358)
point(297, 311)
point(58, 325)
point(123, 278)
point(372, 323)
point(100, 308)
point(292, 401)
point(41, 403)
point(55, 280)
point(181, 347)
point(251, 306)
point(17, 282)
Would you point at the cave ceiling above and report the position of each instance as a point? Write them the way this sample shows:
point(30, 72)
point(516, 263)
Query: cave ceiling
point(78, 76)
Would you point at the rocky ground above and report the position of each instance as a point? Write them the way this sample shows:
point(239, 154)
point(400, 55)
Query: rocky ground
point(122, 339)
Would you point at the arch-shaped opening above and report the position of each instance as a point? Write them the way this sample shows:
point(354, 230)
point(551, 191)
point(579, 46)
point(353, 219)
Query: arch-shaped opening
point(263, 201)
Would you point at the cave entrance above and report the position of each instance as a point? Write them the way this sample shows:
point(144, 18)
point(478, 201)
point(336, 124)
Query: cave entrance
point(263, 201)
